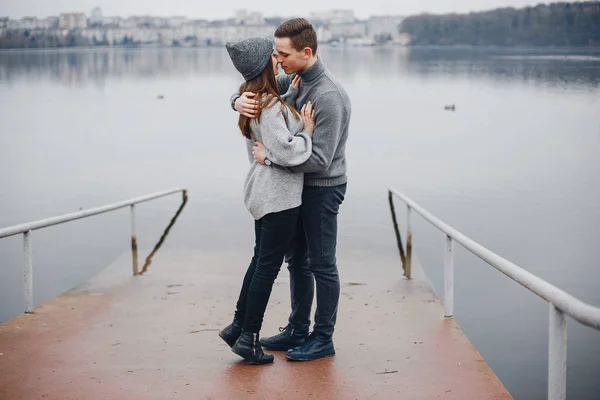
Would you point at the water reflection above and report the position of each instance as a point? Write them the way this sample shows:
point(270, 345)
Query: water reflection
point(83, 66)
point(561, 68)
point(514, 167)
point(564, 68)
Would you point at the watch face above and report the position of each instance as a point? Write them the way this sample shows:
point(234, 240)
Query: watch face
point(267, 161)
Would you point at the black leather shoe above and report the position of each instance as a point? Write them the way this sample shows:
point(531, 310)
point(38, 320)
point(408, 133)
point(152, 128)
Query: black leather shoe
point(314, 347)
point(248, 347)
point(231, 333)
point(287, 339)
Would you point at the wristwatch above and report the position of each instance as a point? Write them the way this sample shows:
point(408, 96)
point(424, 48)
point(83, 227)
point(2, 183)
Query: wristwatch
point(267, 162)
point(233, 102)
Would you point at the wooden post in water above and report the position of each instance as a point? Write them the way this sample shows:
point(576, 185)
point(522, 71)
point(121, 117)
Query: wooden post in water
point(134, 250)
point(408, 269)
point(397, 231)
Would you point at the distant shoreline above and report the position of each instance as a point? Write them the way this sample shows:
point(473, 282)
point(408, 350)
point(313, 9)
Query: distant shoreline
point(588, 49)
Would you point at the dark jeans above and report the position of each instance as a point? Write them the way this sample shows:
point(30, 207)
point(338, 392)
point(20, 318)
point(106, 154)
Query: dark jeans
point(312, 254)
point(274, 233)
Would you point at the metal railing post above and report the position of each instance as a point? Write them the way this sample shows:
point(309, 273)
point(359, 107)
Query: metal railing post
point(28, 227)
point(561, 302)
point(408, 269)
point(449, 277)
point(557, 355)
point(28, 272)
point(134, 250)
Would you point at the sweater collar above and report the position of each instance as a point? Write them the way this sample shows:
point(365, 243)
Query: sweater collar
point(313, 72)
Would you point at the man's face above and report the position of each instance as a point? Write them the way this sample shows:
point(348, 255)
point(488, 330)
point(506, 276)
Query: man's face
point(290, 59)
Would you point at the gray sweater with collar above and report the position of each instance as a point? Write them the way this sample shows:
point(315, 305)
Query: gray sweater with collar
point(327, 164)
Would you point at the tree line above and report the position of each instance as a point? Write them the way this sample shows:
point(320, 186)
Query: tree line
point(557, 24)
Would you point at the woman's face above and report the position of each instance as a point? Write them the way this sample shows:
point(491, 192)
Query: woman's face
point(274, 61)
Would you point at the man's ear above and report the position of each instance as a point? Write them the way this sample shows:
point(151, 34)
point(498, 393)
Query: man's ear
point(307, 53)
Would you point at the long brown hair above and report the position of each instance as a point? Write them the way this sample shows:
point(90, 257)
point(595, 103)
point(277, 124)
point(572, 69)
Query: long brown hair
point(265, 87)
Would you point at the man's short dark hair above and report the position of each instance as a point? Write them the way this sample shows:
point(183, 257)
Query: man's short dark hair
point(301, 33)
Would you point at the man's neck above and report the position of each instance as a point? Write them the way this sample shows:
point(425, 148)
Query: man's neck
point(311, 62)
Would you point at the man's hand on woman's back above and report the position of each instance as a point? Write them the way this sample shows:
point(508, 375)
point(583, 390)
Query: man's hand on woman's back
point(246, 104)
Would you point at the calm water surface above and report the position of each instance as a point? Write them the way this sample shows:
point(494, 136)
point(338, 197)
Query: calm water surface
point(516, 167)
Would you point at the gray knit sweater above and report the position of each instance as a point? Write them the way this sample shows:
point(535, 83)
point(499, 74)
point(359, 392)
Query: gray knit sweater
point(327, 164)
point(267, 189)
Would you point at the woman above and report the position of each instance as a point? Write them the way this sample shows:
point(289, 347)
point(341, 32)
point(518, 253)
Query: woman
point(271, 194)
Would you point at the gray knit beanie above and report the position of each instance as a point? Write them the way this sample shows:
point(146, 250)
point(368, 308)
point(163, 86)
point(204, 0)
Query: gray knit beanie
point(250, 56)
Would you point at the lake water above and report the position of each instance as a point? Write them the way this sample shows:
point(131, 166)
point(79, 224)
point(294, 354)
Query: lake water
point(516, 167)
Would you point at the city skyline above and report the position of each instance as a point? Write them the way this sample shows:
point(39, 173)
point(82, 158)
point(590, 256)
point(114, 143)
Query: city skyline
point(362, 10)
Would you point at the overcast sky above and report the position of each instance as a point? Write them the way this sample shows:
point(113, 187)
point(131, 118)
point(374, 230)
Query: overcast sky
point(220, 9)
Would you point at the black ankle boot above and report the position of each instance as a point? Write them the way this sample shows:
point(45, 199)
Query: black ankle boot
point(231, 333)
point(287, 339)
point(248, 347)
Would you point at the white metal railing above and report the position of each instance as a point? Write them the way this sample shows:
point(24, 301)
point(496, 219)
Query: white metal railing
point(560, 302)
point(28, 227)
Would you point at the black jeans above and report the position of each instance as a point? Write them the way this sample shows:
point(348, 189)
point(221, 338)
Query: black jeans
point(312, 258)
point(273, 236)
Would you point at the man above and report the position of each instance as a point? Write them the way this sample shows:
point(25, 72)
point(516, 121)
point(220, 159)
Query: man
point(313, 252)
